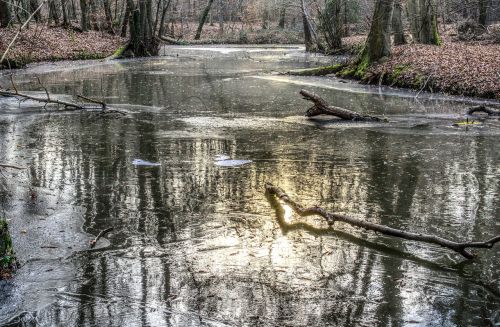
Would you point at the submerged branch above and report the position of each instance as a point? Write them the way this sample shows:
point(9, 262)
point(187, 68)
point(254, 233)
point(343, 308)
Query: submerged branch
point(11, 166)
point(68, 105)
point(487, 110)
point(101, 234)
point(331, 218)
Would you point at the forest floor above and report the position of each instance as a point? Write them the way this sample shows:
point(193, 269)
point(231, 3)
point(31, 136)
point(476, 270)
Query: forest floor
point(468, 68)
point(43, 43)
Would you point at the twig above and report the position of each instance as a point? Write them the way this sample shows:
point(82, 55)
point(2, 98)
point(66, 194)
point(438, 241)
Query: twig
point(101, 234)
point(331, 218)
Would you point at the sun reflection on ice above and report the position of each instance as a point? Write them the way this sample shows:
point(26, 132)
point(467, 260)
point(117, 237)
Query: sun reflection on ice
point(287, 216)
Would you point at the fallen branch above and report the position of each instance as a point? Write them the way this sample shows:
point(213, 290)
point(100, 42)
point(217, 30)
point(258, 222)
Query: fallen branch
point(331, 218)
point(101, 234)
point(487, 110)
point(321, 107)
point(11, 166)
point(68, 105)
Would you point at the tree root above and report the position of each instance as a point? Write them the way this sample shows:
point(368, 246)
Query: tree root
point(331, 218)
point(321, 107)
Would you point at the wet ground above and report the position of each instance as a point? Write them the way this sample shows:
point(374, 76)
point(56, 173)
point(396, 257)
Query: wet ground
point(197, 243)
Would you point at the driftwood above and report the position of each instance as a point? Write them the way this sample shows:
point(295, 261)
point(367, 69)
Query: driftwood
point(487, 110)
point(331, 218)
point(93, 242)
point(321, 107)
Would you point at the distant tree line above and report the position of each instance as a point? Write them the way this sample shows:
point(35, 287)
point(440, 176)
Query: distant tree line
point(323, 22)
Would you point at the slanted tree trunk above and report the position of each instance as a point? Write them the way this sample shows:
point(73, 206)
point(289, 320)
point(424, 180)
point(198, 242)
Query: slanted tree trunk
point(85, 21)
point(5, 15)
point(397, 24)
point(203, 19)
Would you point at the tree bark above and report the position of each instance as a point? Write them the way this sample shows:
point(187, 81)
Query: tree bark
point(378, 43)
point(203, 19)
point(5, 14)
point(483, 11)
point(142, 40)
point(331, 218)
point(397, 24)
point(84, 22)
point(423, 21)
point(126, 19)
point(321, 107)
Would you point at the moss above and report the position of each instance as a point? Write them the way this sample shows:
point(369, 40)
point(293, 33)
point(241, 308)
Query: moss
point(7, 256)
point(394, 75)
point(435, 32)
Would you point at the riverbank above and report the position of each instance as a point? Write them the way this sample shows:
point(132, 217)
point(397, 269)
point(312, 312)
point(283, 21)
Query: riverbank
point(42, 43)
point(456, 68)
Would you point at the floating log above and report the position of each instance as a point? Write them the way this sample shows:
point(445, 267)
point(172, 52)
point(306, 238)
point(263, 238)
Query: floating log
point(487, 110)
point(321, 107)
point(331, 218)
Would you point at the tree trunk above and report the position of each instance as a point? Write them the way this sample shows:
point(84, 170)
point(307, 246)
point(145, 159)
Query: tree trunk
point(203, 19)
point(483, 11)
point(221, 17)
point(53, 13)
point(142, 41)
point(163, 16)
point(378, 43)
point(84, 8)
point(33, 6)
point(5, 15)
point(126, 18)
point(428, 27)
point(423, 21)
point(281, 22)
point(397, 24)
point(109, 16)
point(307, 30)
point(64, 11)
point(331, 24)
